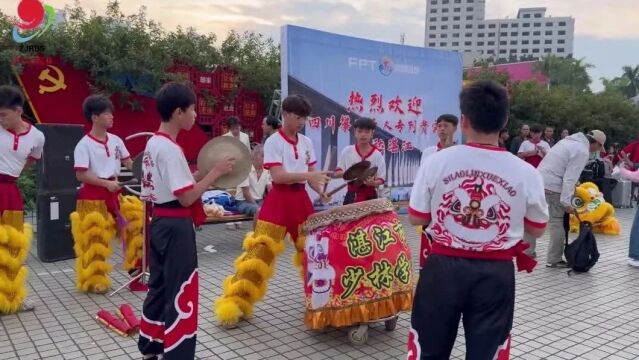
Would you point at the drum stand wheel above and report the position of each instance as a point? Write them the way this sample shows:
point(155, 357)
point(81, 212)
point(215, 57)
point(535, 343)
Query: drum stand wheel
point(358, 335)
point(391, 324)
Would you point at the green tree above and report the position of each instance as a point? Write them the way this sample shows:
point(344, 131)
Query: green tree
point(487, 73)
point(632, 76)
point(566, 72)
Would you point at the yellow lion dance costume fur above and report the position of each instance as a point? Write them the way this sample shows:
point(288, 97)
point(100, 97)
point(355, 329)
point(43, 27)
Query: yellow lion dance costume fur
point(253, 270)
point(93, 229)
point(592, 208)
point(15, 241)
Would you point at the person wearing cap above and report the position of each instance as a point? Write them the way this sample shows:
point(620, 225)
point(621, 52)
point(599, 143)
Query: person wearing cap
point(560, 169)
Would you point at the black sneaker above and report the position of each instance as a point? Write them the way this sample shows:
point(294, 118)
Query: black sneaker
point(561, 265)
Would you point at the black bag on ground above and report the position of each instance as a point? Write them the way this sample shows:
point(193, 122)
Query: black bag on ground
point(582, 254)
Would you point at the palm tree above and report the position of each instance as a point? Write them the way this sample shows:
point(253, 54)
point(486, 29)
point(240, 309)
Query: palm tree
point(632, 75)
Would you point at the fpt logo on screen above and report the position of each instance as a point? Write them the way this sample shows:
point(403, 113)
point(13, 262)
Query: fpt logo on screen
point(385, 66)
point(34, 18)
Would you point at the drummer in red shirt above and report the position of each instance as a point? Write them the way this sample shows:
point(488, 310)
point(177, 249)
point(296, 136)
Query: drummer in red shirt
point(534, 149)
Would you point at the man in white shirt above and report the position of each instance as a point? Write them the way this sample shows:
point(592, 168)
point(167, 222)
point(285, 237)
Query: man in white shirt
point(234, 127)
point(534, 149)
point(446, 128)
point(477, 200)
point(561, 169)
point(250, 193)
point(21, 146)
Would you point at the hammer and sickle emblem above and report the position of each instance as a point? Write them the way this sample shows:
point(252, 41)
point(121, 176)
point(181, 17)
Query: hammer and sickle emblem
point(56, 82)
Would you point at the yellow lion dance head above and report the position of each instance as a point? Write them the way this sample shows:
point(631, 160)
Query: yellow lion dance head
point(591, 207)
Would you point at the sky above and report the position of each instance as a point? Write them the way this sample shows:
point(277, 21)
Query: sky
point(606, 36)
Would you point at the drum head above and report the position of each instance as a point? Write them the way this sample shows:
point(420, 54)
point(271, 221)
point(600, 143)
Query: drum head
point(354, 172)
point(347, 213)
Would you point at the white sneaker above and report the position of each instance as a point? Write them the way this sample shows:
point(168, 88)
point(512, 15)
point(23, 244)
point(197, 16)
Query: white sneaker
point(633, 262)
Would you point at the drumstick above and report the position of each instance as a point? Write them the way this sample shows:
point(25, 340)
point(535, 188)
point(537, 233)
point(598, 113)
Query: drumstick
point(327, 164)
point(337, 189)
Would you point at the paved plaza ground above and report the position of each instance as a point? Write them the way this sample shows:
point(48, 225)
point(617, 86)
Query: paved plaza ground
point(588, 316)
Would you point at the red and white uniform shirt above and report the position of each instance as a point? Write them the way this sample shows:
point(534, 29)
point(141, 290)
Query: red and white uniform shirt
point(294, 156)
point(166, 172)
point(541, 147)
point(478, 198)
point(430, 151)
point(102, 158)
point(351, 155)
point(16, 149)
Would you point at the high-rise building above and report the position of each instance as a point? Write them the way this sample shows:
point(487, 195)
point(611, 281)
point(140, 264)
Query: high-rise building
point(460, 25)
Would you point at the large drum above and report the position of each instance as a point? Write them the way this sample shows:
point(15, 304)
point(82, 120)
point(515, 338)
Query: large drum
point(357, 267)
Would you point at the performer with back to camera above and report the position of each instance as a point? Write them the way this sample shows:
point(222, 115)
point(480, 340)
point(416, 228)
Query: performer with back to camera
point(289, 157)
point(21, 146)
point(446, 128)
point(169, 314)
point(477, 200)
point(361, 151)
point(98, 157)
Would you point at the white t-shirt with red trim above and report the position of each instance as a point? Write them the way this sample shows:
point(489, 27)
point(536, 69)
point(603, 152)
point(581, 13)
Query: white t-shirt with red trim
point(295, 156)
point(478, 197)
point(16, 149)
point(351, 155)
point(166, 172)
point(430, 151)
point(102, 157)
point(528, 146)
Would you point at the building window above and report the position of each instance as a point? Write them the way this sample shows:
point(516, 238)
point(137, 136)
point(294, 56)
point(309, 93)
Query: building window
point(491, 34)
point(456, 18)
point(512, 51)
point(469, 17)
point(492, 26)
point(433, 2)
point(444, 27)
point(538, 15)
point(431, 36)
point(442, 44)
point(482, 26)
point(513, 42)
point(469, 9)
point(526, 16)
point(481, 43)
point(514, 34)
point(526, 25)
point(560, 50)
point(445, 18)
point(432, 44)
point(562, 23)
point(502, 51)
point(481, 35)
point(535, 42)
point(468, 43)
point(444, 36)
point(433, 19)
point(469, 26)
point(456, 10)
point(525, 33)
point(433, 11)
point(470, 1)
point(548, 32)
point(525, 42)
point(561, 41)
point(535, 50)
point(469, 34)
point(547, 41)
point(444, 10)
point(547, 50)
point(549, 24)
point(455, 26)
point(491, 43)
point(503, 26)
point(457, 1)
point(503, 43)
point(537, 24)
point(524, 51)
point(445, 2)
point(433, 27)
point(490, 52)
point(562, 32)
point(456, 43)
point(456, 35)
point(537, 33)
point(503, 34)
point(514, 25)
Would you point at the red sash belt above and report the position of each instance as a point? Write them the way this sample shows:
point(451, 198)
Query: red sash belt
point(524, 262)
point(362, 193)
point(7, 179)
point(93, 192)
point(195, 212)
point(297, 186)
